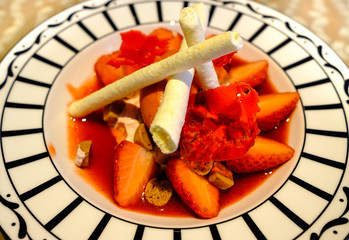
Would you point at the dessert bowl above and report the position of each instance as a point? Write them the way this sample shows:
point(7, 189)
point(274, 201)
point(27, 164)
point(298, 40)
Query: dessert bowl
point(41, 194)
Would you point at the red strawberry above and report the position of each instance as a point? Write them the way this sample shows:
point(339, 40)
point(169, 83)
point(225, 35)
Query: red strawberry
point(139, 49)
point(133, 168)
point(253, 73)
point(194, 190)
point(220, 123)
point(266, 153)
point(274, 108)
point(224, 100)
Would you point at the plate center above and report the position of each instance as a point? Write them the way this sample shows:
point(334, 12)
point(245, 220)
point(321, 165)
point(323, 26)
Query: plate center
point(81, 67)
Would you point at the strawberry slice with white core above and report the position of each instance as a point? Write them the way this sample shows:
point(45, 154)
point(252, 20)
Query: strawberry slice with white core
point(274, 108)
point(266, 153)
point(194, 190)
point(133, 168)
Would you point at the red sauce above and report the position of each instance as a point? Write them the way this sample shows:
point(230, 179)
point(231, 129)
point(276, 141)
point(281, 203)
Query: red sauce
point(174, 208)
point(100, 173)
point(51, 149)
point(281, 132)
point(92, 127)
point(244, 184)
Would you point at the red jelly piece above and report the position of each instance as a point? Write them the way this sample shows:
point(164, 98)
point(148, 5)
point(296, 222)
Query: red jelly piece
point(220, 123)
point(139, 49)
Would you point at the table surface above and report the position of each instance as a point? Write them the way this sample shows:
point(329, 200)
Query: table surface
point(329, 19)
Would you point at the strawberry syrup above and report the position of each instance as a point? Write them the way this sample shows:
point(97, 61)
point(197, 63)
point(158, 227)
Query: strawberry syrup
point(100, 172)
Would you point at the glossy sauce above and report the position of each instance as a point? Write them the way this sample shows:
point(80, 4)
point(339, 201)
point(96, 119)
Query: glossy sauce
point(100, 173)
point(92, 127)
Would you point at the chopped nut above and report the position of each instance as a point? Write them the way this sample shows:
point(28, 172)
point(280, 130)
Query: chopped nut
point(200, 167)
point(158, 192)
point(83, 154)
point(112, 111)
point(142, 137)
point(221, 176)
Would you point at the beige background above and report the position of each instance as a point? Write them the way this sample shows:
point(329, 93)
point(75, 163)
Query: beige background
point(329, 19)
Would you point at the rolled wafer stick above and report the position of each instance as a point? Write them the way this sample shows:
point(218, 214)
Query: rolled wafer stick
point(202, 12)
point(195, 33)
point(208, 50)
point(167, 125)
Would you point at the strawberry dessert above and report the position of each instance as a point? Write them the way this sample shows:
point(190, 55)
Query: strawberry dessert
point(225, 145)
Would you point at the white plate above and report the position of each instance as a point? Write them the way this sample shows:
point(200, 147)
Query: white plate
point(41, 197)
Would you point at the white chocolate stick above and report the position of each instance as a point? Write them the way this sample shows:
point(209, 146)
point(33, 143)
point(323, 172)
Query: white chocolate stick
point(195, 33)
point(208, 50)
point(168, 122)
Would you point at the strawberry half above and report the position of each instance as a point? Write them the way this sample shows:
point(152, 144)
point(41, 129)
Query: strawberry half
point(133, 168)
point(253, 73)
point(266, 153)
point(274, 108)
point(194, 190)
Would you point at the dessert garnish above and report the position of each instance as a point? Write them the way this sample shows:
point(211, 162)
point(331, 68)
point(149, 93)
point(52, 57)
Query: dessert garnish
point(167, 125)
point(195, 32)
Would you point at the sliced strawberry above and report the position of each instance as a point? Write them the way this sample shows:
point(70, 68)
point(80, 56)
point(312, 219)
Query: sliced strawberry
point(266, 153)
point(150, 99)
point(274, 108)
point(133, 168)
point(194, 190)
point(253, 73)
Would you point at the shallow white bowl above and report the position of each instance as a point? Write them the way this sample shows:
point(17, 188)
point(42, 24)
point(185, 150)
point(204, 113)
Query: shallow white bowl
point(43, 197)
